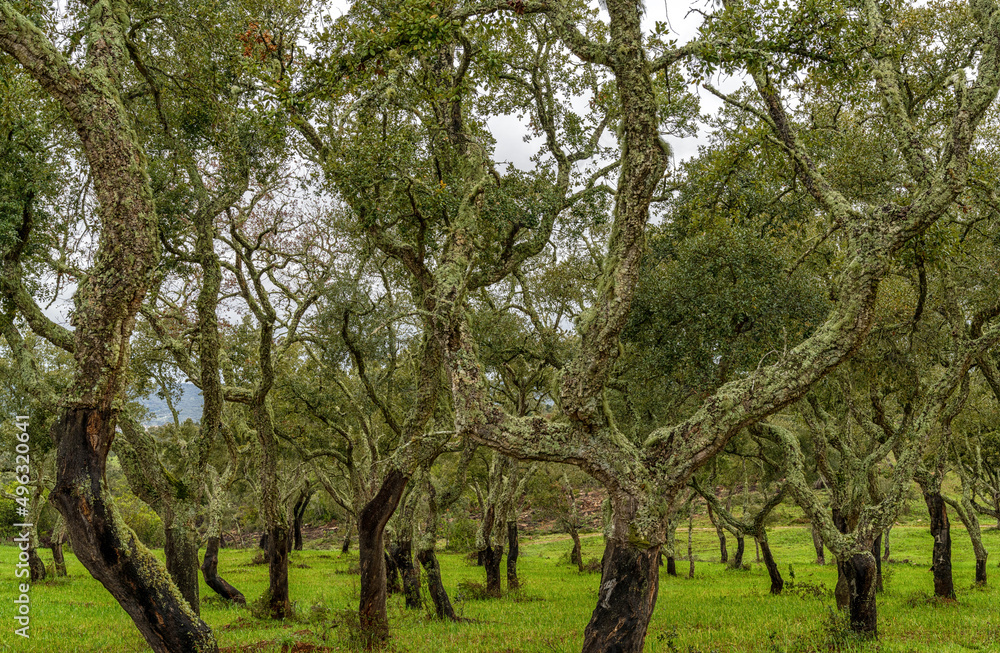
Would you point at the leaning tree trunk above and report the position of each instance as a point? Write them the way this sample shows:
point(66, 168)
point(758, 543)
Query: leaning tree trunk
point(627, 596)
point(512, 551)
point(818, 545)
point(944, 585)
point(442, 604)
point(371, 546)
point(777, 583)
point(210, 571)
point(402, 556)
point(110, 550)
point(860, 573)
point(181, 551)
point(967, 513)
point(720, 532)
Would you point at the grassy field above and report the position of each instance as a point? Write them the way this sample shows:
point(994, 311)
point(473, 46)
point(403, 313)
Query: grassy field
point(717, 610)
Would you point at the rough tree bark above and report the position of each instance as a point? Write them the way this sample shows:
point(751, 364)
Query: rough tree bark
point(371, 547)
point(106, 303)
point(818, 545)
point(777, 583)
point(944, 585)
point(512, 551)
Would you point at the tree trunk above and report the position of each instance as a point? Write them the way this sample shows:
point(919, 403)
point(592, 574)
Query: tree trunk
point(403, 558)
point(371, 547)
point(279, 605)
point(944, 586)
point(346, 546)
point(842, 592)
point(860, 573)
point(885, 542)
point(576, 555)
point(265, 547)
point(777, 583)
point(492, 555)
point(876, 551)
point(690, 548)
point(721, 533)
point(627, 596)
point(392, 584)
point(210, 571)
point(512, 551)
point(818, 545)
point(737, 560)
point(671, 566)
point(108, 548)
point(58, 539)
point(181, 551)
point(36, 568)
point(298, 512)
point(442, 604)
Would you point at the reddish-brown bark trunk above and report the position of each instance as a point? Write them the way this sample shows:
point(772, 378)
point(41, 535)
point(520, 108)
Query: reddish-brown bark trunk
point(210, 570)
point(371, 546)
point(626, 598)
point(108, 549)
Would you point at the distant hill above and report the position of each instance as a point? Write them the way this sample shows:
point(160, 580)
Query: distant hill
point(189, 406)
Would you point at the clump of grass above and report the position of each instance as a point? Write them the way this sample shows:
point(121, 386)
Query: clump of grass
point(834, 635)
point(592, 566)
point(470, 590)
point(921, 598)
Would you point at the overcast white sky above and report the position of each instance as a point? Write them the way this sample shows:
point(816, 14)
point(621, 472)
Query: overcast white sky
point(684, 26)
point(509, 132)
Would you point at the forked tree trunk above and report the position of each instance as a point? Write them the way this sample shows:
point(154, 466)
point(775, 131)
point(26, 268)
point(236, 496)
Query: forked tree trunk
point(442, 604)
point(512, 551)
point(298, 513)
point(181, 551)
point(108, 548)
point(402, 556)
point(626, 598)
point(371, 547)
point(492, 556)
point(777, 583)
point(210, 571)
point(944, 585)
point(818, 545)
point(860, 573)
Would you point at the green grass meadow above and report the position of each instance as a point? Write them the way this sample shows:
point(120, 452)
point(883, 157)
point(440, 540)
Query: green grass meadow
point(717, 610)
